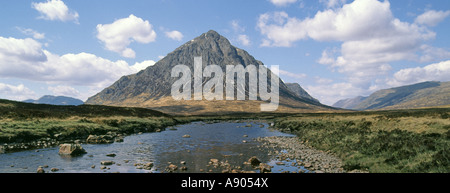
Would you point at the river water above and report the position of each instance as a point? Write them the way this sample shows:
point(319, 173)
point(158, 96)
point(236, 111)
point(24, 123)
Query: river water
point(232, 143)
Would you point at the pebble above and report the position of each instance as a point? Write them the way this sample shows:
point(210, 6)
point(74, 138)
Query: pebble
point(291, 148)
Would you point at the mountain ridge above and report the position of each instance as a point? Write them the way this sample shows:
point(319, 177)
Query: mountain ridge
point(152, 87)
point(419, 95)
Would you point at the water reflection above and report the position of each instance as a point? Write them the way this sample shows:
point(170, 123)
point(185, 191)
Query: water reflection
point(222, 141)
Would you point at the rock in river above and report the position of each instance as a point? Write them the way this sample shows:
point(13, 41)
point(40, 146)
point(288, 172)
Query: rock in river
point(254, 161)
point(71, 149)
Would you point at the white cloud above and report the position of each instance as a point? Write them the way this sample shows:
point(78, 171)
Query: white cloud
point(333, 3)
point(174, 35)
point(237, 28)
point(244, 40)
point(292, 75)
point(138, 66)
point(25, 59)
point(64, 91)
point(55, 10)
point(282, 2)
point(118, 35)
point(372, 39)
point(31, 32)
point(331, 93)
point(19, 92)
point(432, 54)
point(432, 17)
point(433, 72)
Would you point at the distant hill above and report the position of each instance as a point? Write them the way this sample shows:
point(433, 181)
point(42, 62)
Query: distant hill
point(425, 94)
point(349, 103)
point(56, 100)
point(299, 91)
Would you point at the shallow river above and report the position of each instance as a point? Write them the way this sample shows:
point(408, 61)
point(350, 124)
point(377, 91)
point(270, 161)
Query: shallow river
point(229, 142)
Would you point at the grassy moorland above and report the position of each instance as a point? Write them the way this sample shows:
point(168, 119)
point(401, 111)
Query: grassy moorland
point(376, 141)
point(24, 122)
point(380, 141)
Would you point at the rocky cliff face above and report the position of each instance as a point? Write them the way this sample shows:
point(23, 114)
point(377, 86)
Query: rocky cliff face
point(152, 86)
point(300, 92)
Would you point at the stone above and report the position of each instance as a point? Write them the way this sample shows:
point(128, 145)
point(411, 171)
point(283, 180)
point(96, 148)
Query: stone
point(100, 139)
point(254, 161)
point(71, 149)
point(147, 166)
point(107, 163)
point(264, 168)
point(40, 170)
point(54, 169)
point(186, 136)
point(279, 163)
point(171, 168)
point(214, 162)
point(111, 155)
point(183, 162)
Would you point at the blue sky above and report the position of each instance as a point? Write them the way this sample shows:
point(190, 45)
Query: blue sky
point(335, 49)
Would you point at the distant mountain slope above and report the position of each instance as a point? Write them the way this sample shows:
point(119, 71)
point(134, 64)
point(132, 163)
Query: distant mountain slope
point(151, 87)
point(56, 100)
point(299, 91)
point(425, 94)
point(349, 103)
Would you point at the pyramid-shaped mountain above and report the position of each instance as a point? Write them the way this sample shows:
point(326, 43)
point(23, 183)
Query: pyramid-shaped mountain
point(152, 87)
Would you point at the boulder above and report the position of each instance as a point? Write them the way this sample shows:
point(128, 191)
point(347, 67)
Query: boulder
point(71, 149)
point(171, 168)
point(148, 166)
point(186, 136)
point(40, 170)
point(264, 168)
point(254, 161)
point(100, 139)
point(107, 163)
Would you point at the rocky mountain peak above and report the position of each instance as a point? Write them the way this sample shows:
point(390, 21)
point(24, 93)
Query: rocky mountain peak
point(154, 83)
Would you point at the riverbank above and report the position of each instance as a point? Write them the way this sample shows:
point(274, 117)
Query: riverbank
point(19, 135)
point(408, 141)
point(299, 153)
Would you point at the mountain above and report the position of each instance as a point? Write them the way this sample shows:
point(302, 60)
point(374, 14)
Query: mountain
point(349, 103)
point(425, 94)
point(56, 100)
point(299, 91)
point(151, 87)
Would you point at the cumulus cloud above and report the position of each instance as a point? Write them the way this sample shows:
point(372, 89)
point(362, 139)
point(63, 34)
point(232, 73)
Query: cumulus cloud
point(118, 35)
point(372, 39)
point(174, 35)
point(282, 2)
point(433, 72)
point(244, 39)
point(26, 59)
point(292, 75)
point(31, 32)
point(239, 30)
point(19, 92)
point(138, 66)
point(332, 3)
point(330, 93)
point(55, 10)
point(64, 91)
point(432, 17)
